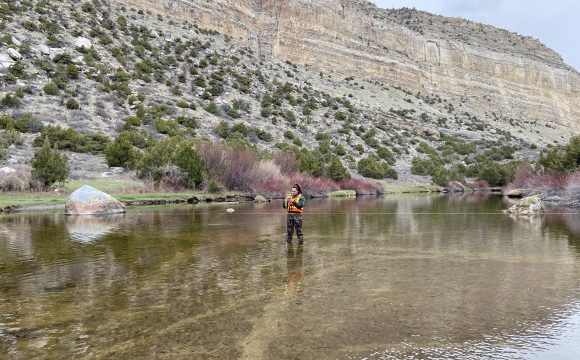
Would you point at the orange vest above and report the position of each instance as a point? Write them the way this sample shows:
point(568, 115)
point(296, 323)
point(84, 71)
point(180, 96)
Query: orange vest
point(292, 208)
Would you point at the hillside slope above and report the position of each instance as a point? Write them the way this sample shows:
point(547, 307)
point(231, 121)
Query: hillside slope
point(372, 81)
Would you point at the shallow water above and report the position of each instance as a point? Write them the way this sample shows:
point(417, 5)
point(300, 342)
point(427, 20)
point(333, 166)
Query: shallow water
point(399, 277)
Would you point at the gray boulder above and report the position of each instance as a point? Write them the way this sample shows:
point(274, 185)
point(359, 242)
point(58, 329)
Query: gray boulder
point(79, 60)
point(14, 54)
point(530, 205)
point(7, 171)
point(260, 199)
point(88, 200)
point(4, 68)
point(5, 58)
point(82, 42)
point(54, 52)
point(16, 42)
point(44, 50)
point(517, 193)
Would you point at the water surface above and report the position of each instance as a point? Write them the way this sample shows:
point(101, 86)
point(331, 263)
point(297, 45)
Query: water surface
point(424, 277)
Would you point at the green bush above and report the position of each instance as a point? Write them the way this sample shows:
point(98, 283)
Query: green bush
point(494, 173)
point(421, 166)
point(51, 89)
point(426, 149)
point(136, 139)
point(554, 160)
point(72, 104)
point(263, 135)
point(169, 127)
point(464, 148)
point(29, 25)
point(214, 187)
point(12, 137)
point(151, 164)
point(240, 128)
point(572, 157)
point(386, 154)
point(121, 152)
point(339, 150)
point(187, 159)
point(392, 173)
point(188, 122)
point(48, 166)
point(10, 100)
point(69, 139)
point(222, 129)
point(336, 170)
point(212, 108)
point(172, 152)
point(6, 122)
point(372, 167)
point(72, 71)
point(130, 122)
point(311, 162)
point(17, 70)
point(425, 166)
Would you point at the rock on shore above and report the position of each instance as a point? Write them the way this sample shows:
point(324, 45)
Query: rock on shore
point(530, 205)
point(88, 200)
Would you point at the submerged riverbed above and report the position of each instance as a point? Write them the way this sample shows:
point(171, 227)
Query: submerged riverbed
point(412, 276)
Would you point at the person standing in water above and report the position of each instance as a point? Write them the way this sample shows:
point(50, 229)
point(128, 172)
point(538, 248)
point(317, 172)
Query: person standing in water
point(294, 202)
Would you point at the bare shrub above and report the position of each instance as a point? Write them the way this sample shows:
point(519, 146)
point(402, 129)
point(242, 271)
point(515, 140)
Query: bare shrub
point(214, 156)
point(477, 184)
point(21, 180)
point(269, 179)
point(287, 162)
point(311, 184)
point(173, 178)
point(233, 167)
point(559, 182)
point(361, 185)
point(573, 183)
point(268, 170)
point(524, 174)
point(242, 165)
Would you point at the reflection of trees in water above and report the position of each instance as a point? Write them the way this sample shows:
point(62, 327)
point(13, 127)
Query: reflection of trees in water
point(564, 225)
point(15, 237)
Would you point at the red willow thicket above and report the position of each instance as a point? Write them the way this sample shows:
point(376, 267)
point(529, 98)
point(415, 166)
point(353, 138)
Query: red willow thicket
point(526, 178)
point(240, 169)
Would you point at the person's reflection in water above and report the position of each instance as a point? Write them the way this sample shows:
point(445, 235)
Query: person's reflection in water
point(294, 269)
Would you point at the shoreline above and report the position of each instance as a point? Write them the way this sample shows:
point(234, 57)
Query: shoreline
point(29, 201)
point(20, 202)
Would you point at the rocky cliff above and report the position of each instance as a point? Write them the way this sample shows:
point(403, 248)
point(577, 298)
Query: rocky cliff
point(490, 70)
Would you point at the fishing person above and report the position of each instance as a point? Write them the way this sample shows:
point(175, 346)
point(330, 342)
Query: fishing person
point(294, 202)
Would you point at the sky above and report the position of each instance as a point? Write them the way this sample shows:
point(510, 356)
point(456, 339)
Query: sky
point(555, 23)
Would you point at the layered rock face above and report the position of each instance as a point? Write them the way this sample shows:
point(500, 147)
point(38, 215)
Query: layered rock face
point(493, 71)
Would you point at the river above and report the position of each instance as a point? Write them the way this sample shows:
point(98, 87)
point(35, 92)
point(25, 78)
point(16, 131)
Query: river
point(394, 277)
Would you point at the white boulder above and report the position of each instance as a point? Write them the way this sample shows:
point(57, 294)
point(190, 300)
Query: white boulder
point(88, 200)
